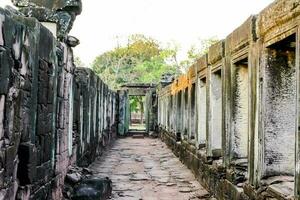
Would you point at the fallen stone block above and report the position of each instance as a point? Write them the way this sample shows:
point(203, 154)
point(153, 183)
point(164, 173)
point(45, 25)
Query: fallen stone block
point(93, 189)
point(73, 178)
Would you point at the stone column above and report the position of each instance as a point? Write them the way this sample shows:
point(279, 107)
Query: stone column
point(297, 138)
point(254, 113)
point(201, 103)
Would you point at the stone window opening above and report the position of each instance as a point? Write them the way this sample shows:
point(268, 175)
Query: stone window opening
point(193, 112)
point(186, 113)
point(278, 112)
point(240, 120)
point(201, 104)
point(216, 114)
point(179, 116)
point(170, 116)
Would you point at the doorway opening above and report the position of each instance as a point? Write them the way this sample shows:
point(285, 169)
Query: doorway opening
point(137, 113)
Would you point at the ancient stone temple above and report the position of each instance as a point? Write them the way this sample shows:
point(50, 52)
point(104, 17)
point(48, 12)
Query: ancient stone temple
point(232, 119)
point(242, 100)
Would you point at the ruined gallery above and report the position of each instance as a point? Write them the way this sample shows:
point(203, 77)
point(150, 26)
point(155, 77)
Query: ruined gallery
point(227, 129)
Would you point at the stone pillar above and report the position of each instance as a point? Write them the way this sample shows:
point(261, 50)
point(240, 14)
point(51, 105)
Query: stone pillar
point(83, 76)
point(164, 112)
point(297, 138)
point(254, 110)
point(174, 104)
point(201, 103)
point(170, 110)
point(192, 105)
point(121, 128)
point(102, 109)
point(97, 113)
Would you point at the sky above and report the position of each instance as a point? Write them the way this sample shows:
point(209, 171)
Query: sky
point(104, 24)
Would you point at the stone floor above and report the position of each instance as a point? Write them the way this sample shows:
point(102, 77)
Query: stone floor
point(145, 169)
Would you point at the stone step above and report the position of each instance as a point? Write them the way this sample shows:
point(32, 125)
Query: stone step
point(138, 135)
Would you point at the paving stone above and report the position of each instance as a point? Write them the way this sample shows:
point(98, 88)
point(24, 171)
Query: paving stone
point(139, 177)
point(146, 169)
point(171, 184)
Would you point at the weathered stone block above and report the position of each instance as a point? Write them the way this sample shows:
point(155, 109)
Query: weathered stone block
point(242, 36)
point(47, 43)
point(276, 14)
point(43, 171)
point(202, 63)
point(10, 155)
point(216, 52)
point(6, 63)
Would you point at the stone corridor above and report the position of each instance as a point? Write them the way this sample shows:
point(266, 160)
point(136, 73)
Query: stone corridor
point(146, 169)
point(233, 118)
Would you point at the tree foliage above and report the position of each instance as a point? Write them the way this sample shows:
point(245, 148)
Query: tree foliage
point(142, 60)
point(137, 104)
point(196, 51)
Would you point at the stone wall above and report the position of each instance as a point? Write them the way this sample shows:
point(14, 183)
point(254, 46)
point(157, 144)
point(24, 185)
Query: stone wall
point(247, 94)
point(94, 115)
point(52, 114)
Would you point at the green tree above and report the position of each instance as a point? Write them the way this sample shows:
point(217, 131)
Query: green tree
point(196, 51)
point(137, 105)
point(142, 60)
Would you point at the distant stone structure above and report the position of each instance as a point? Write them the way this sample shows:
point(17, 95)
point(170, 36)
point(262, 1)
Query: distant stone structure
point(234, 117)
point(137, 89)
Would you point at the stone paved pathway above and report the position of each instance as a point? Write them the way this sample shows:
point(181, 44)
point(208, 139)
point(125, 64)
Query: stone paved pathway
point(145, 169)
